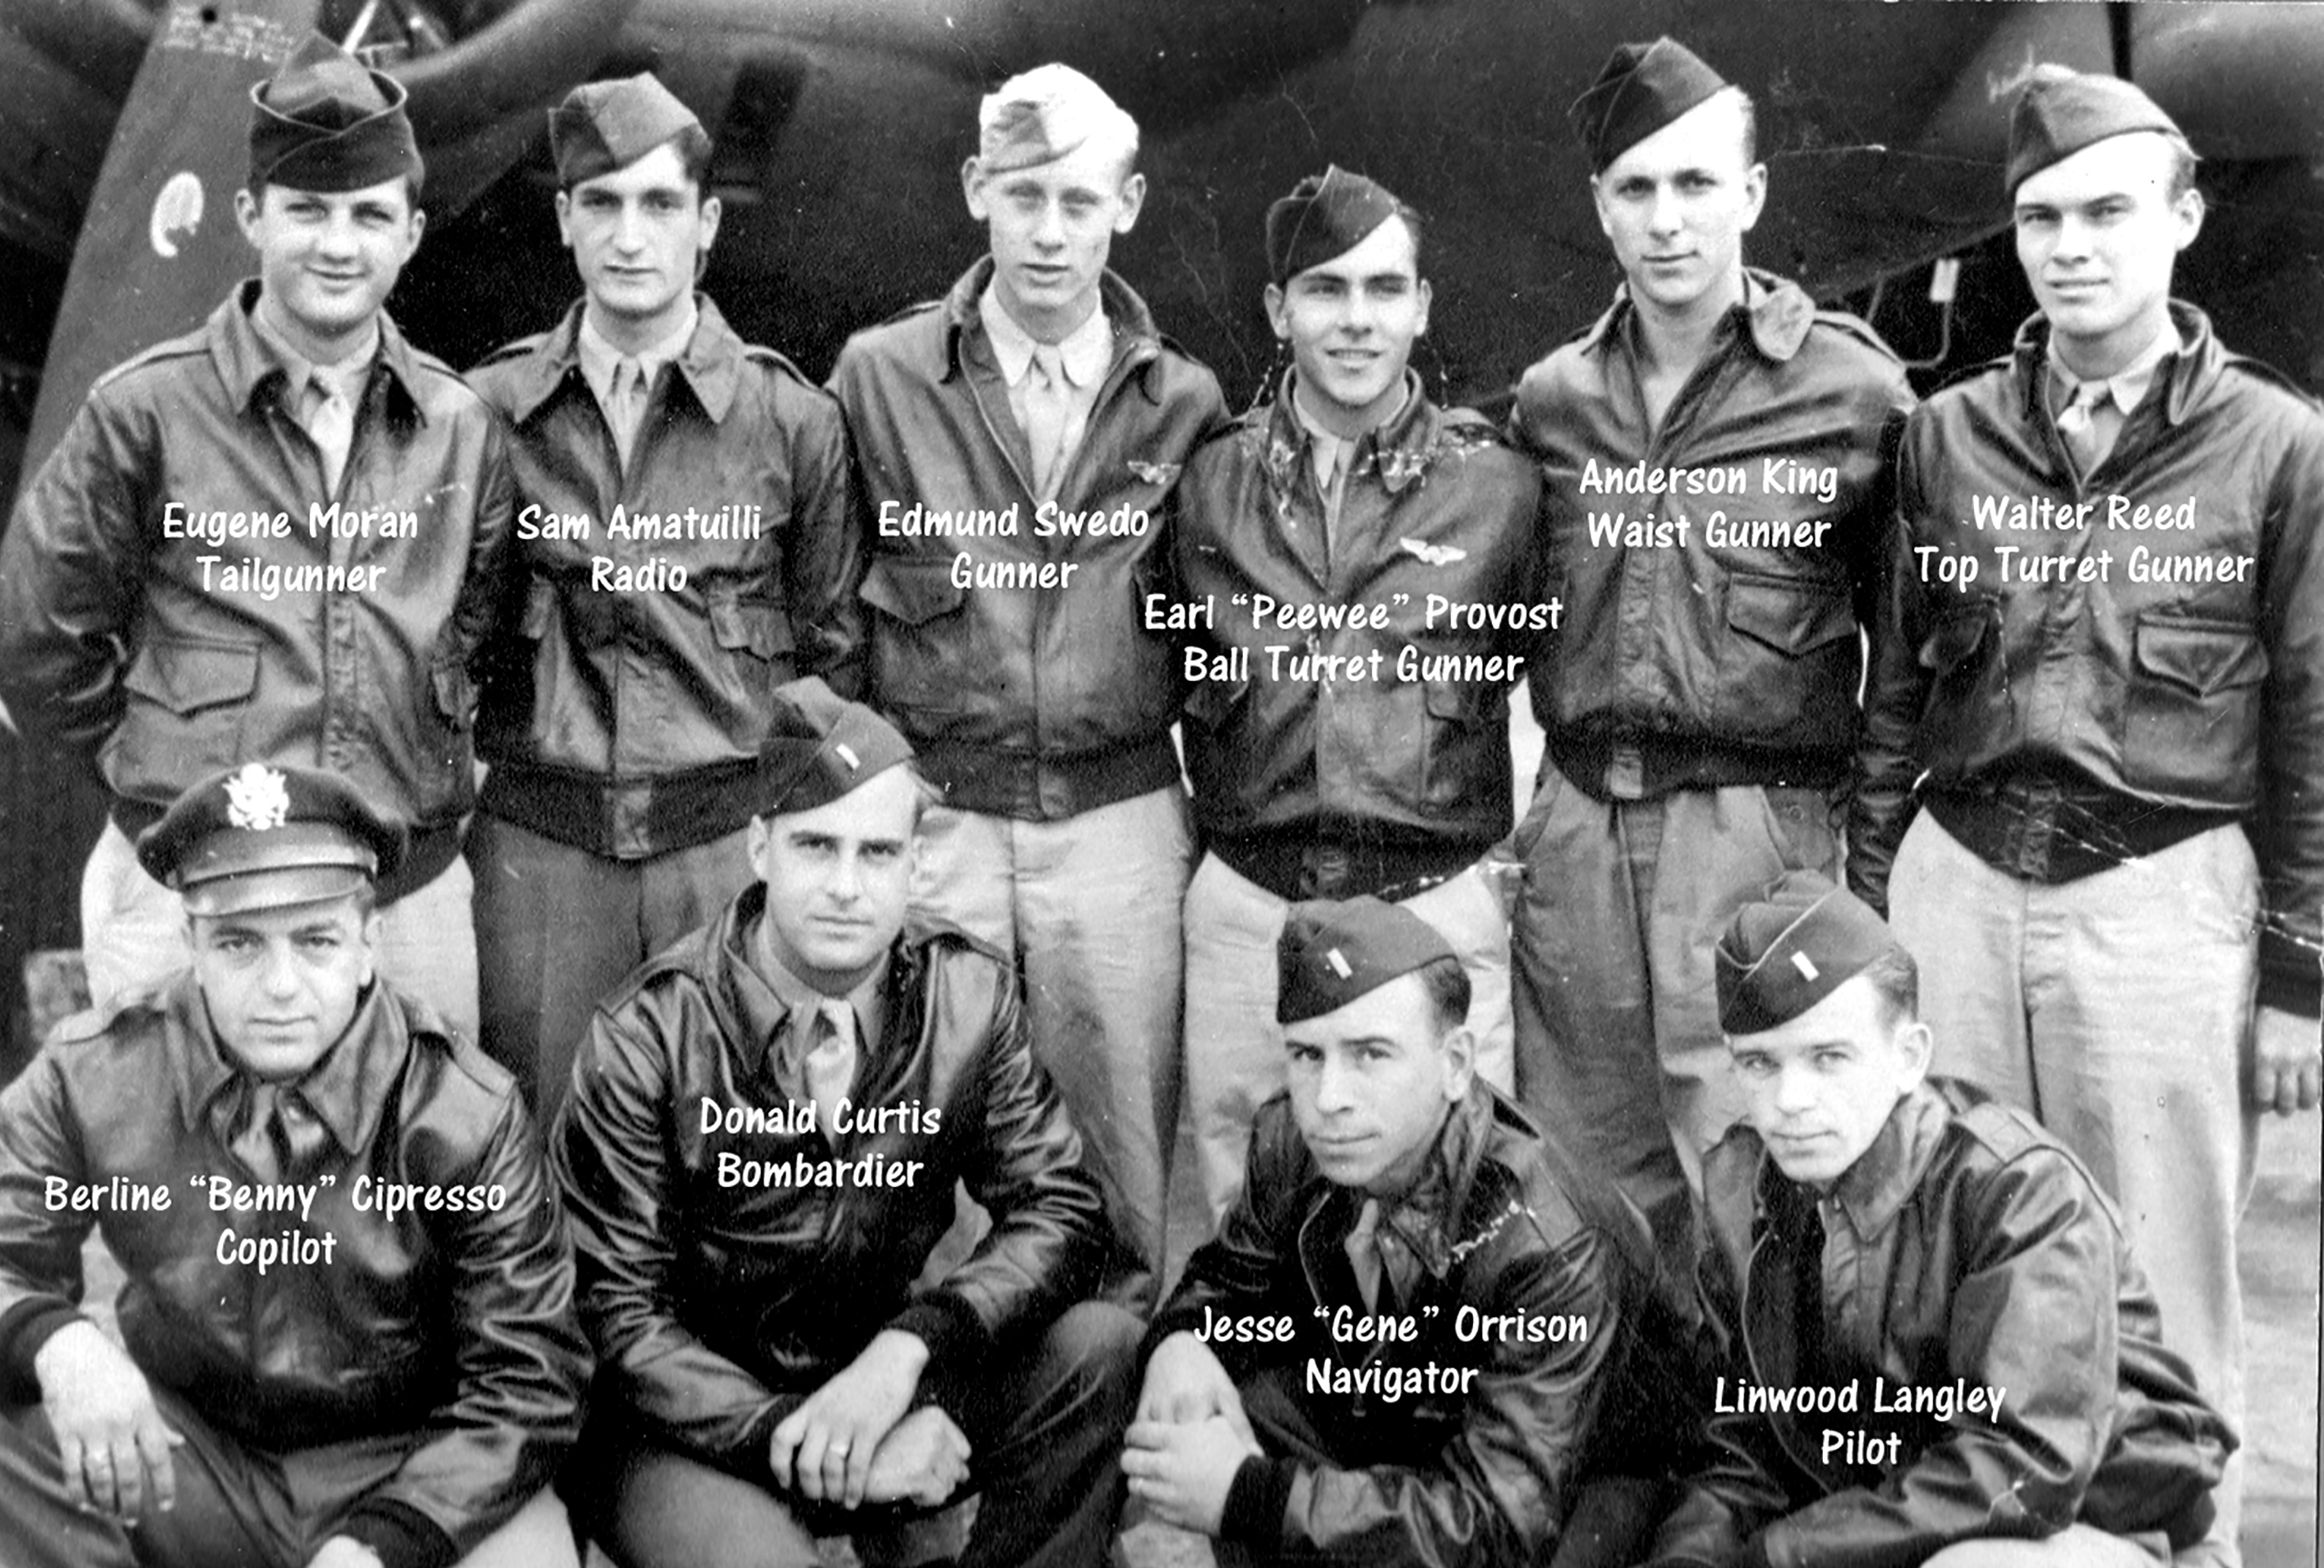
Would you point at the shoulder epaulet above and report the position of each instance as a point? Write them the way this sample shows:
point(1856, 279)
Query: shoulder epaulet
point(1862, 331)
point(2262, 370)
point(517, 350)
point(1465, 427)
point(909, 311)
point(1967, 373)
point(2005, 1132)
point(782, 365)
point(182, 347)
point(428, 364)
point(923, 931)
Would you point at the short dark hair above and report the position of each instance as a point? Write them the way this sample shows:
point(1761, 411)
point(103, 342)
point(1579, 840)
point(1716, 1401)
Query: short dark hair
point(694, 150)
point(1896, 982)
point(1446, 984)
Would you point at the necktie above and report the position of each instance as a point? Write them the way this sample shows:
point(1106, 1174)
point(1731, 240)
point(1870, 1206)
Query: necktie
point(829, 1063)
point(1364, 1253)
point(2087, 438)
point(330, 422)
point(275, 1135)
point(626, 409)
point(1046, 410)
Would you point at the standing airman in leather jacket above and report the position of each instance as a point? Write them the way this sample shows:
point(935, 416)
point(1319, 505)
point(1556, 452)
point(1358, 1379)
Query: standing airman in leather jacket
point(1369, 754)
point(684, 544)
point(275, 538)
point(1715, 457)
point(760, 1150)
point(348, 1309)
point(2102, 647)
point(1014, 445)
point(1937, 1339)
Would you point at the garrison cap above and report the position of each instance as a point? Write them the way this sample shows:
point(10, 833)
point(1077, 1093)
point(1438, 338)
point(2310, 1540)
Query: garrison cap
point(1333, 951)
point(1643, 87)
point(1043, 115)
point(602, 127)
point(260, 837)
point(2060, 112)
point(322, 122)
point(1326, 216)
point(1799, 941)
point(819, 746)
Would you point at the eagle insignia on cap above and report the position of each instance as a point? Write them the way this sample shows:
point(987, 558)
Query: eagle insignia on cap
point(257, 798)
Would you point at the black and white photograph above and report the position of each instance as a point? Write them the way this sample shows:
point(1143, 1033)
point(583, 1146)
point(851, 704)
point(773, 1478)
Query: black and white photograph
point(861, 784)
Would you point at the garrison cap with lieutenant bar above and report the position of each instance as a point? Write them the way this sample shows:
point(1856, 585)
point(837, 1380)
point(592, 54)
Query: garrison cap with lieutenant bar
point(1326, 216)
point(602, 127)
point(259, 837)
point(1800, 941)
point(2060, 112)
point(324, 123)
point(1333, 951)
point(819, 747)
point(1642, 88)
point(1043, 115)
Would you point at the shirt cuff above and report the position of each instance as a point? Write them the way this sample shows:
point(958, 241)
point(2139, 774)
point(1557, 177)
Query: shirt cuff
point(24, 1330)
point(1256, 1501)
point(948, 1325)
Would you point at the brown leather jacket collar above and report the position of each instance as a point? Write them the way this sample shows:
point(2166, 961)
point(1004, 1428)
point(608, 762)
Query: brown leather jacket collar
point(346, 1089)
point(246, 364)
point(710, 366)
point(1397, 450)
point(1776, 314)
point(2187, 376)
point(1136, 339)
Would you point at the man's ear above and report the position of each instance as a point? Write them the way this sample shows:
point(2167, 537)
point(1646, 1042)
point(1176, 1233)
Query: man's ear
point(1460, 1062)
point(972, 187)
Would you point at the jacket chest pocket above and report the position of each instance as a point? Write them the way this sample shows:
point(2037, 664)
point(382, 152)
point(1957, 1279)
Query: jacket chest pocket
point(1458, 738)
point(755, 636)
point(921, 657)
point(1792, 660)
point(185, 701)
point(1968, 690)
point(2191, 717)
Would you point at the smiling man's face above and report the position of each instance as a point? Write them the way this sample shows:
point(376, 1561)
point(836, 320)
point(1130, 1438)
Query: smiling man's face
point(328, 260)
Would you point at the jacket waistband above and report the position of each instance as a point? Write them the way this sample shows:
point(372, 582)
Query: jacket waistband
point(2051, 831)
point(1640, 768)
point(1322, 865)
point(1046, 787)
point(624, 818)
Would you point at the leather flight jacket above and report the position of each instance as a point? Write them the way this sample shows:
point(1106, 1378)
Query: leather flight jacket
point(1714, 570)
point(1965, 1250)
point(622, 713)
point(1393, 738)
point(449, 1317)
point(725, 1275)
point(176, 596)
point(1507, 1261)
point(2113, 663)
point(1019, 661)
